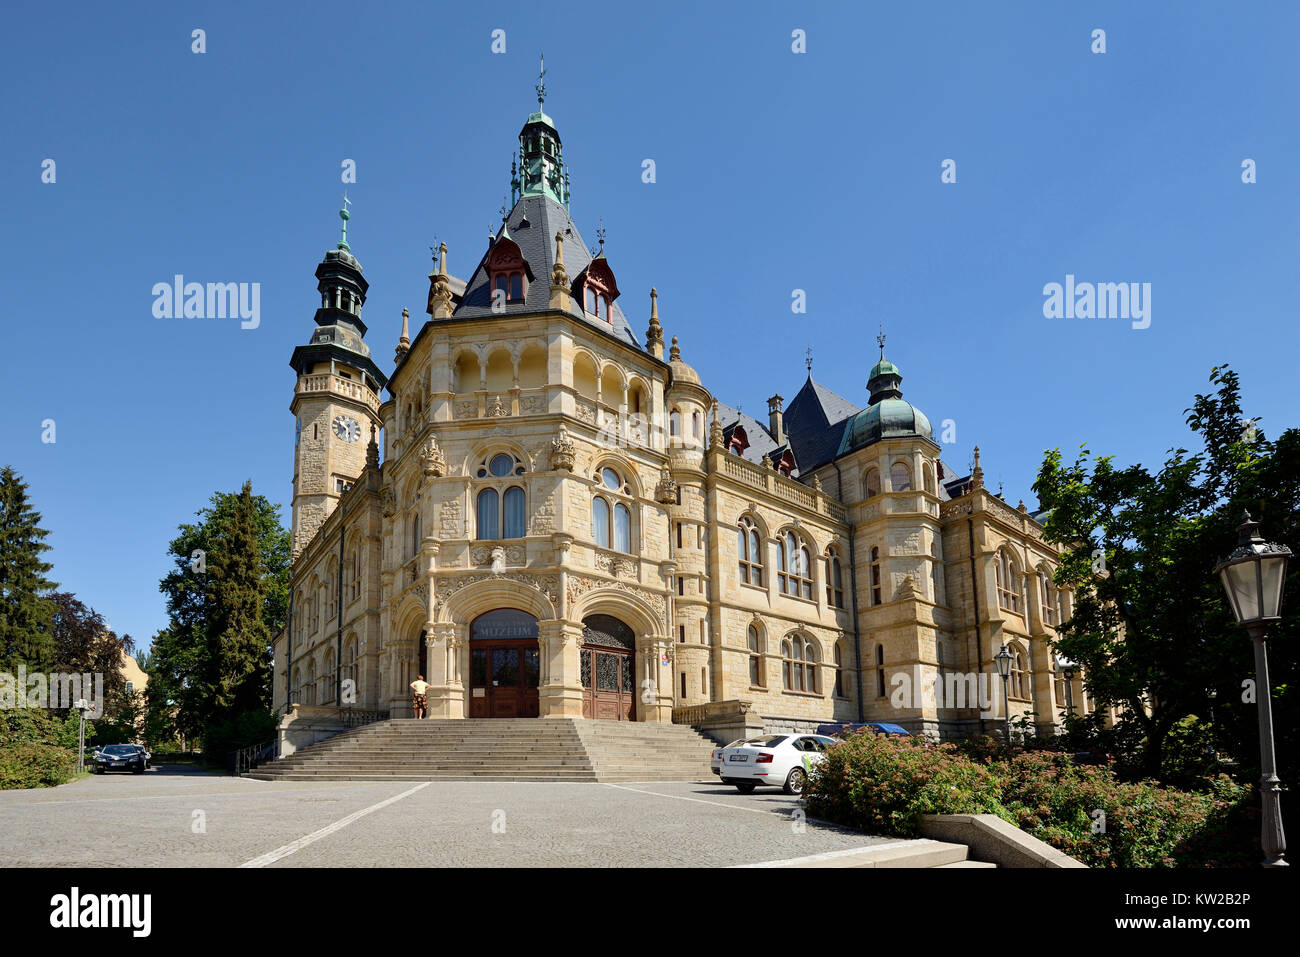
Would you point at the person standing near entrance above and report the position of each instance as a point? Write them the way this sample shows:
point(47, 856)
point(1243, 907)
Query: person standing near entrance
point(420, 687)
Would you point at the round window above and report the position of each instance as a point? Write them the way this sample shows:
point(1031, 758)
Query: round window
point(501, 465)
point(611, 480)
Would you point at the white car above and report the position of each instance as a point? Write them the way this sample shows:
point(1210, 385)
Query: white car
point(715, 759)
point(776, 759)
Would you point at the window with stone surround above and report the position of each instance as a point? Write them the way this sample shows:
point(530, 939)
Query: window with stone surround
point(799, 664)
point(1007, 576)
point(611, 519)
point(875, 575)
point(871, 483)
point(756, 671)
point(749, 548)
point(834, 579)
point(793, 566)
point(900, 477)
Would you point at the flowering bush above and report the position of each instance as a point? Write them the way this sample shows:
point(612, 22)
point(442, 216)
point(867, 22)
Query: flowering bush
point(883, 786)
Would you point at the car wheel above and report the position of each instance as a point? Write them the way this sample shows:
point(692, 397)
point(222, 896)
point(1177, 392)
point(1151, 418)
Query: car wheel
point(746, 787)
point(795, 781)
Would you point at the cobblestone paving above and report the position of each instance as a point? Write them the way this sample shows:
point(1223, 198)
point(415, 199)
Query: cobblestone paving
point(133, 820)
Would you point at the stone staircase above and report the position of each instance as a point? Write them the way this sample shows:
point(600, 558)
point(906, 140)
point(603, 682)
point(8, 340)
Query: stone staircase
point(502, 749)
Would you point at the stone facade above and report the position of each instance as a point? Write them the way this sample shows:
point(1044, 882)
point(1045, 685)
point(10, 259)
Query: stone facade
point(763, 589)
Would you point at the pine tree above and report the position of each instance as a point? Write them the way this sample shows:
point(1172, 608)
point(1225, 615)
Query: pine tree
point(25, 610)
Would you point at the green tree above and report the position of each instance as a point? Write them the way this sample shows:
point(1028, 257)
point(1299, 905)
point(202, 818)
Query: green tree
point(83, 644)
point(25, 611)
point(227, 594)
point(1150, 624)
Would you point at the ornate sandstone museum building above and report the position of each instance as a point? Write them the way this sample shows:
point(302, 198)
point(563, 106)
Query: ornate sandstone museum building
point(563, 521)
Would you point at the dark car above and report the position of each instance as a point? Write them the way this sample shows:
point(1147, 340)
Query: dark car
point(148, 757)
point(878, 727)
point(121, 757)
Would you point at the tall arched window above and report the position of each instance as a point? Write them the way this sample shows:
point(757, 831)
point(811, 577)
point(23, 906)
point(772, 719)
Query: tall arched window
point(841, 676)
point(513, 501)
point(600, 521)
point(834, 580)
point(611, 519)
point(1006, 575)
point(489, 515)
point(675, 424)
point(793, 566)
point(755, 641)
point(799, 664)
point(749, 549)
point(1019, 684)
point(880, 671)
point(928, 475)
point(900, 477)
point(875, 576)
point(871, 483)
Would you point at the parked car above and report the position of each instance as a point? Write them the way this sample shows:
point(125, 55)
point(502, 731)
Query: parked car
point(715, 759)
point(775, 759)
point(879, 727)
point(148, 756)
point(120, 757)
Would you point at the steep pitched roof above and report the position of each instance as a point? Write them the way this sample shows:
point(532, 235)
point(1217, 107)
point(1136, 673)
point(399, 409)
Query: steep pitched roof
point(761, 443)
point(814, 423)
point(532, 224)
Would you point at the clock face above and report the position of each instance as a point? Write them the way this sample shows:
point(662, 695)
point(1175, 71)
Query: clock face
point(346, 428)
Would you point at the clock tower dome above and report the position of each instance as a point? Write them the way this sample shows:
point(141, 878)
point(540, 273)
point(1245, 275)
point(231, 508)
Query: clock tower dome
point(336, 398)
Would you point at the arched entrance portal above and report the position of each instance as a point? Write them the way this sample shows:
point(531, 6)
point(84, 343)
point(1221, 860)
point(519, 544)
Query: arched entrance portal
point(504, 665)
point(607, 658)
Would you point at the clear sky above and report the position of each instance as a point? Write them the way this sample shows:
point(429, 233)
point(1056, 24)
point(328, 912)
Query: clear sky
point(775, 171)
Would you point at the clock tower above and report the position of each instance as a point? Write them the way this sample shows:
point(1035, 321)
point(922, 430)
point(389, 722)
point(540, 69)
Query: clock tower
point(336, 398)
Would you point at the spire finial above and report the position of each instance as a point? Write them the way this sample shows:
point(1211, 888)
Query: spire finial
point(442, 259)
point(345, 216)
point(600, 234)
point(675, 353)
point(404, 343)
point(880, 340)
point(541, 83)
point(808, 360)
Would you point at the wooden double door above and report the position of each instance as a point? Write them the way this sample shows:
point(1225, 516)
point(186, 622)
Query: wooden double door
point(608, 683)
point(503, 677)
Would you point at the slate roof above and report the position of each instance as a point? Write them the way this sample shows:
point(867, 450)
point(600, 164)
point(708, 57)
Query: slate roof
point(533, 223)
point(761, 442)
point(814, 424)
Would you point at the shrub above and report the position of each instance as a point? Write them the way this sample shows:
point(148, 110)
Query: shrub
point(29, 765)
point(237, 731)
point(883, 785)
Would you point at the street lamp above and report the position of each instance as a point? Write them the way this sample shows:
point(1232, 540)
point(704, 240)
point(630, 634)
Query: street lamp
point(1253, 576)
point(81, 705)
point(1003, 660)
point(1067, 669)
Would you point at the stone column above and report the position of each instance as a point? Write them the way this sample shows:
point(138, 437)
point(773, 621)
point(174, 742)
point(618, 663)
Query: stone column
point(447, 695)
point(656, 699)
point(560, 694)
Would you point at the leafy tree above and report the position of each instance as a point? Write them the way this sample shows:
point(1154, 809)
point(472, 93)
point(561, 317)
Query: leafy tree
point(83, 644)
point(1151, 625)
point(226, 596)
point(25, 612)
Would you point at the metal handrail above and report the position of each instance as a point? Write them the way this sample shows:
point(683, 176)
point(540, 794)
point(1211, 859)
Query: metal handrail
point(250, 757)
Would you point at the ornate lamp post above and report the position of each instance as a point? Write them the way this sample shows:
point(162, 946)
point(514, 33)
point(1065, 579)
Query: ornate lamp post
point(1003, 659)
point(1254, 576)
point(1067, 668)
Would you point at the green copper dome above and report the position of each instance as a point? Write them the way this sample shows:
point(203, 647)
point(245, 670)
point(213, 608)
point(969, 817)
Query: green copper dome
point(884, 367)
point(885, 419)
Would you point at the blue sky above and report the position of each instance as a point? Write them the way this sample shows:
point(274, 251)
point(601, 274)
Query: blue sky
point(775, 171)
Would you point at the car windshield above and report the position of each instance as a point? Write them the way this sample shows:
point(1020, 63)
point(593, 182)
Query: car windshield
point(119, 749)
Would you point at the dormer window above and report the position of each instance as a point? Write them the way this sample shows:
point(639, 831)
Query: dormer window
point(509, 286)
point(509, 273)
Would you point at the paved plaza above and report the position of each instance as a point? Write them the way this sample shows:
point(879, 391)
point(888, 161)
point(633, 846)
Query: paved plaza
point(178, 816)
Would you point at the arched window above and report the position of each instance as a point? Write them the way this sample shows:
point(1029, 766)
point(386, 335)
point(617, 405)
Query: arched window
point(834, 580)
point(875, 576)
point(311, 682)
point(928, 475)
point(513, 502)
point(871, 483)
point(489, 515)
point(880, 671)
point(675, 424)
point(1008, 587)
point(799, 664)
point(591, 300)
point(755, 657)
point(600, 521)
point(841, 676)
point(793, 566)
point(1020, 685)
point(697, 425)
point(900, 477)
point(611, 520)
point(750, 551)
